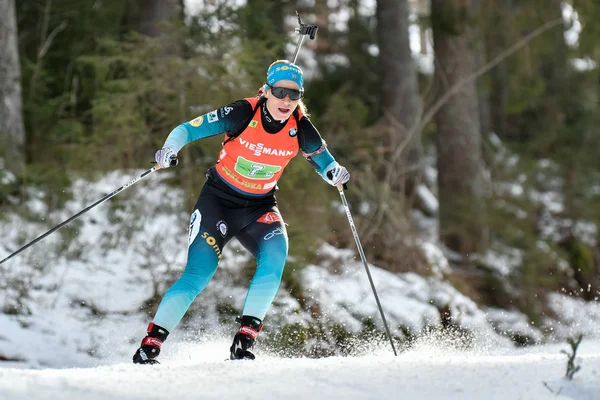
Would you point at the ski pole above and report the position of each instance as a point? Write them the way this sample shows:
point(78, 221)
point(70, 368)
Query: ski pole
point(304, 30)
point(102, 200)
point(364, 260)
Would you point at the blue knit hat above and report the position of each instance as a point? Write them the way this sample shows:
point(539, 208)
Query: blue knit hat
point(285, 71)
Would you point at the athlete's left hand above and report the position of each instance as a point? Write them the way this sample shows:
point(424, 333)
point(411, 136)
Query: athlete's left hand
point(337, 175)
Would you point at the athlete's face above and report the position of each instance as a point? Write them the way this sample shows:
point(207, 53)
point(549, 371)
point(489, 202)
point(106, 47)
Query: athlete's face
point(281, 109)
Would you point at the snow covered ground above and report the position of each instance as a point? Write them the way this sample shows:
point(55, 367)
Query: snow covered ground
point(427, 371)
point(72, 318)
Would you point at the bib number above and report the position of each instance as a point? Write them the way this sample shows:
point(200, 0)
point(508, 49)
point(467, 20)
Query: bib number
point(254, 170)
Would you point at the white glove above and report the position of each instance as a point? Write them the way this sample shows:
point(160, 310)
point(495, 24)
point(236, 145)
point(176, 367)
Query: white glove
point(337, 175)
point(166, 157)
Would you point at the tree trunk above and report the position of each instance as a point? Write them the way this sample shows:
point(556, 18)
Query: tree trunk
point(496, 40)
point(400, 93)
point(461, 181)
point(148, 15)
point(554, 67)
point(479, 46)
point(12, 130)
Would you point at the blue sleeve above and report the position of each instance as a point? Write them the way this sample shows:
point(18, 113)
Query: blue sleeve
point(230, 118)
point(314, 147)
point(322, 162)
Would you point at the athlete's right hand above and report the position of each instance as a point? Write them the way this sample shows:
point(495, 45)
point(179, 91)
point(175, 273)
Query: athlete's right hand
point(166, 157)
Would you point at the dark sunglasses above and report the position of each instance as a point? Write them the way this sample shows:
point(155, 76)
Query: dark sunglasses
point(281, 92)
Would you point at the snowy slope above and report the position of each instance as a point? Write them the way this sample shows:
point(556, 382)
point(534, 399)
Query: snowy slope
point(78, 296)
point(82, 314)
point(426, 372)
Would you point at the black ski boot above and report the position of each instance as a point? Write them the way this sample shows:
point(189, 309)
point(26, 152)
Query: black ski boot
point(151, 344)
point(244, 338)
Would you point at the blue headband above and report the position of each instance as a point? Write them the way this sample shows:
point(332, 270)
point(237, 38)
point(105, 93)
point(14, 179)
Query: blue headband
point(285, 71)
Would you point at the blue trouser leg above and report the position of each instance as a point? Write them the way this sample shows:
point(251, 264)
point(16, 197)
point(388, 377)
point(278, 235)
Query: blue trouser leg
point(270, 247)
point(202, 263)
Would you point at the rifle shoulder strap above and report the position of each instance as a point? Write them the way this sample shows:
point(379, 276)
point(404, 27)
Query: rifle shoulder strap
point(243, 128)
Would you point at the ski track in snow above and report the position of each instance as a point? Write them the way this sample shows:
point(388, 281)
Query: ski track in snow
point(201, 372)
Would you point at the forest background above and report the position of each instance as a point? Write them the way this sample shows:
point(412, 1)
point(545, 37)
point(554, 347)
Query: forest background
point(495, 105)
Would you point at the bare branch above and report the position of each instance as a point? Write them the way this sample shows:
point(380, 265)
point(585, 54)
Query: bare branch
point(380, 190)
point(485, 68)
point(44, 48)
point(45, 43)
